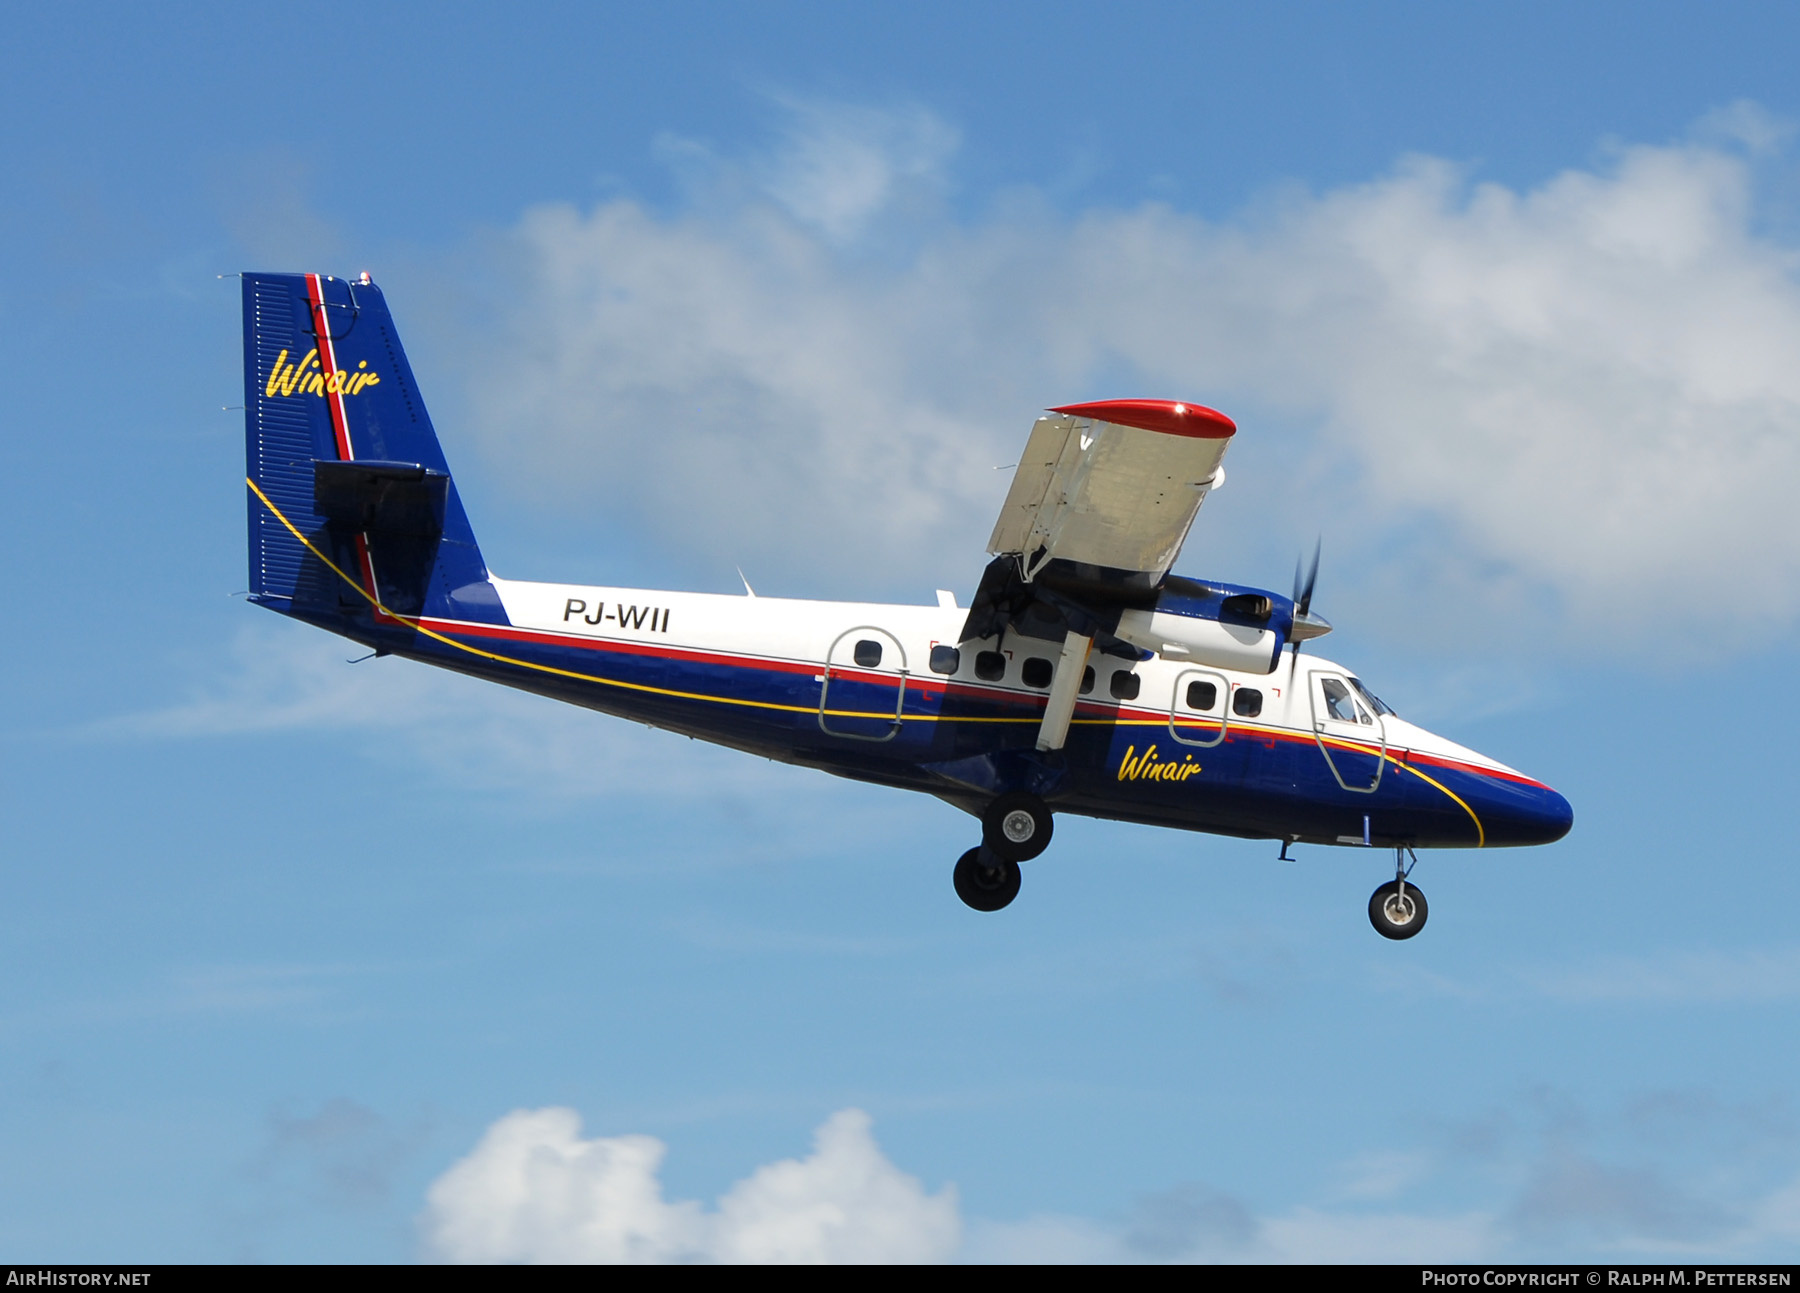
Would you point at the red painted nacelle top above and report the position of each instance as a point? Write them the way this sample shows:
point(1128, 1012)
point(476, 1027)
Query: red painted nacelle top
point(1167, 416)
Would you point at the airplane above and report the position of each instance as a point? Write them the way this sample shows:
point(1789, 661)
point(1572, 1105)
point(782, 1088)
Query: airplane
point(1083, 677)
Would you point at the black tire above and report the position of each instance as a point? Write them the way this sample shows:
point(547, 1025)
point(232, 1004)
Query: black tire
point(986, 882)
point(1017, 826)
point(1396, 918)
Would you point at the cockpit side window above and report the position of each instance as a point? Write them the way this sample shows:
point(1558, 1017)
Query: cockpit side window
point(1338, 703)
point(1375, 702)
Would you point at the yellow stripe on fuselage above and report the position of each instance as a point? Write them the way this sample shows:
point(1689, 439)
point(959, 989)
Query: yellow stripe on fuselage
point(645, 688)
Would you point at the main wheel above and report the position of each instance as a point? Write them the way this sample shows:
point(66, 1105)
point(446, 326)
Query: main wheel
point(1017, 826)
point(986, 883)
point(1395, 914)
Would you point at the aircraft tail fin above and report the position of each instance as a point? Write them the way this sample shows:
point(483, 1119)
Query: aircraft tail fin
point(352, 510)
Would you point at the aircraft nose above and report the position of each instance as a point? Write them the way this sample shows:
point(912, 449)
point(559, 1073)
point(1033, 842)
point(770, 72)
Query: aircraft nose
point(1554, 816)
point(1528, 815)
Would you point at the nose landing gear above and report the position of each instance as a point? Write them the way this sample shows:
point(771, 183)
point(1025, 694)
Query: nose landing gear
point(1398, 909)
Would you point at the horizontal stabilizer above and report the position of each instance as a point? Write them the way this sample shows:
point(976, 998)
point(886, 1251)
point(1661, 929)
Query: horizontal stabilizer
point(364, 497)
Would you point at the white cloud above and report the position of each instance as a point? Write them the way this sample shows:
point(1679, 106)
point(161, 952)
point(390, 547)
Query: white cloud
point(534, 1191)
point(843, 1203)
point(1673, 977)
point(345, 1156)
point(1541, 1181)
point(1679, 978)
point(1306, 1235)
point(272, 680)
point(291, 678)
point(1777, 1217)
point(1310, 1235)
point(1747, 124)
point(840, 167)
point(1575, 399)
point(1382, 1173)
point(1051, 1240)
point(1542, 1196)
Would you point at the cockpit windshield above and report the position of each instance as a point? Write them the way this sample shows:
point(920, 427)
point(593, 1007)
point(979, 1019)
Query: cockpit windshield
point(1375, 702)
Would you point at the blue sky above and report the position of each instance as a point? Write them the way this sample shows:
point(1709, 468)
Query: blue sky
point(295, 953)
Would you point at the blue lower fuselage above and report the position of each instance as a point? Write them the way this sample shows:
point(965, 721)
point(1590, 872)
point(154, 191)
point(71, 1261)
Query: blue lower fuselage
point(967, 743)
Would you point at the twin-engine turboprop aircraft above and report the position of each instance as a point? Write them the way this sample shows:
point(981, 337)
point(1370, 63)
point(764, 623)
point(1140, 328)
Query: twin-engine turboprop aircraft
point(1083, 677)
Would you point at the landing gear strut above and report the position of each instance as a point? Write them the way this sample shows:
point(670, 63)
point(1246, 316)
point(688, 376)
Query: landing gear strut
point(1014, 828)
point(986, 882)
point(1398, 909)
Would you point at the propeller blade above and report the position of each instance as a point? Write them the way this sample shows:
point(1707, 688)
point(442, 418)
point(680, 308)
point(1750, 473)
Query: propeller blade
point(1303, 595)
point(1303, 589)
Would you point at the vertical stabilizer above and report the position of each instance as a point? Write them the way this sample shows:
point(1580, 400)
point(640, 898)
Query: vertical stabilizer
point(344, 466)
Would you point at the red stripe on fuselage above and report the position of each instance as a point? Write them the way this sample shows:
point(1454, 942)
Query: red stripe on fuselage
point(1033, 700)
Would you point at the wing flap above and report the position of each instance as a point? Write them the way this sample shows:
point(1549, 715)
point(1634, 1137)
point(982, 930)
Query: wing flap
point(1114, 485)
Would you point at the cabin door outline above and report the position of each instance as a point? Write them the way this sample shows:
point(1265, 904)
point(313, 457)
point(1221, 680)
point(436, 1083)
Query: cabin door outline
point(863, 701)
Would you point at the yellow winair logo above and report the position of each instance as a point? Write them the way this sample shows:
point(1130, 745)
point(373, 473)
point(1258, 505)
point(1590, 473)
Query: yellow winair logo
point(1147, 767)
point(307, 378)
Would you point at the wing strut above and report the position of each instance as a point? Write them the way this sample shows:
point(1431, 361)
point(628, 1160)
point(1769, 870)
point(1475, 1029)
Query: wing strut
point(1054, 730)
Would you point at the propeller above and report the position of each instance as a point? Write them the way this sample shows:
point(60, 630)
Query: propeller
point(1306, 624)
point(1303, 589)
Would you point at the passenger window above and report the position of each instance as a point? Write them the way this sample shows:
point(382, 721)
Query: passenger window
point(990, 666)
point(1087, 680)
point(945, 659)
point(867, 653)
point(1202, 695)
point(1036, 672)
point(1246, 702)
point(1125, 685)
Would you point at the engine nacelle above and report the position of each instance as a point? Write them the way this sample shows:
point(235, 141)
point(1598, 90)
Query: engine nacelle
point(1221, 626)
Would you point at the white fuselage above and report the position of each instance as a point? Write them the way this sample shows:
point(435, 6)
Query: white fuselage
point(795, 631)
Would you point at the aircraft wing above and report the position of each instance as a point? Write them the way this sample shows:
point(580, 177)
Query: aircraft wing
point(1113, 485)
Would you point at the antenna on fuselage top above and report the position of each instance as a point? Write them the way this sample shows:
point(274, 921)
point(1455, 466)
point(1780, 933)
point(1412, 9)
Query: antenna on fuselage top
point(748, 591)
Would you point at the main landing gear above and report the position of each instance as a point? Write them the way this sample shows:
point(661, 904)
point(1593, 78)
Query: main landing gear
point(1015, 828)
point(1398, 909)
point(986, 882)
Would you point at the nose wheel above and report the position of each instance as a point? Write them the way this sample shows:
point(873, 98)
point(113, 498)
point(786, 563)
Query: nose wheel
point(1398, 909)
point(986, 882)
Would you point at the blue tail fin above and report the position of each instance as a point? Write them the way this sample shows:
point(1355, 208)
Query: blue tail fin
point(352, 509)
